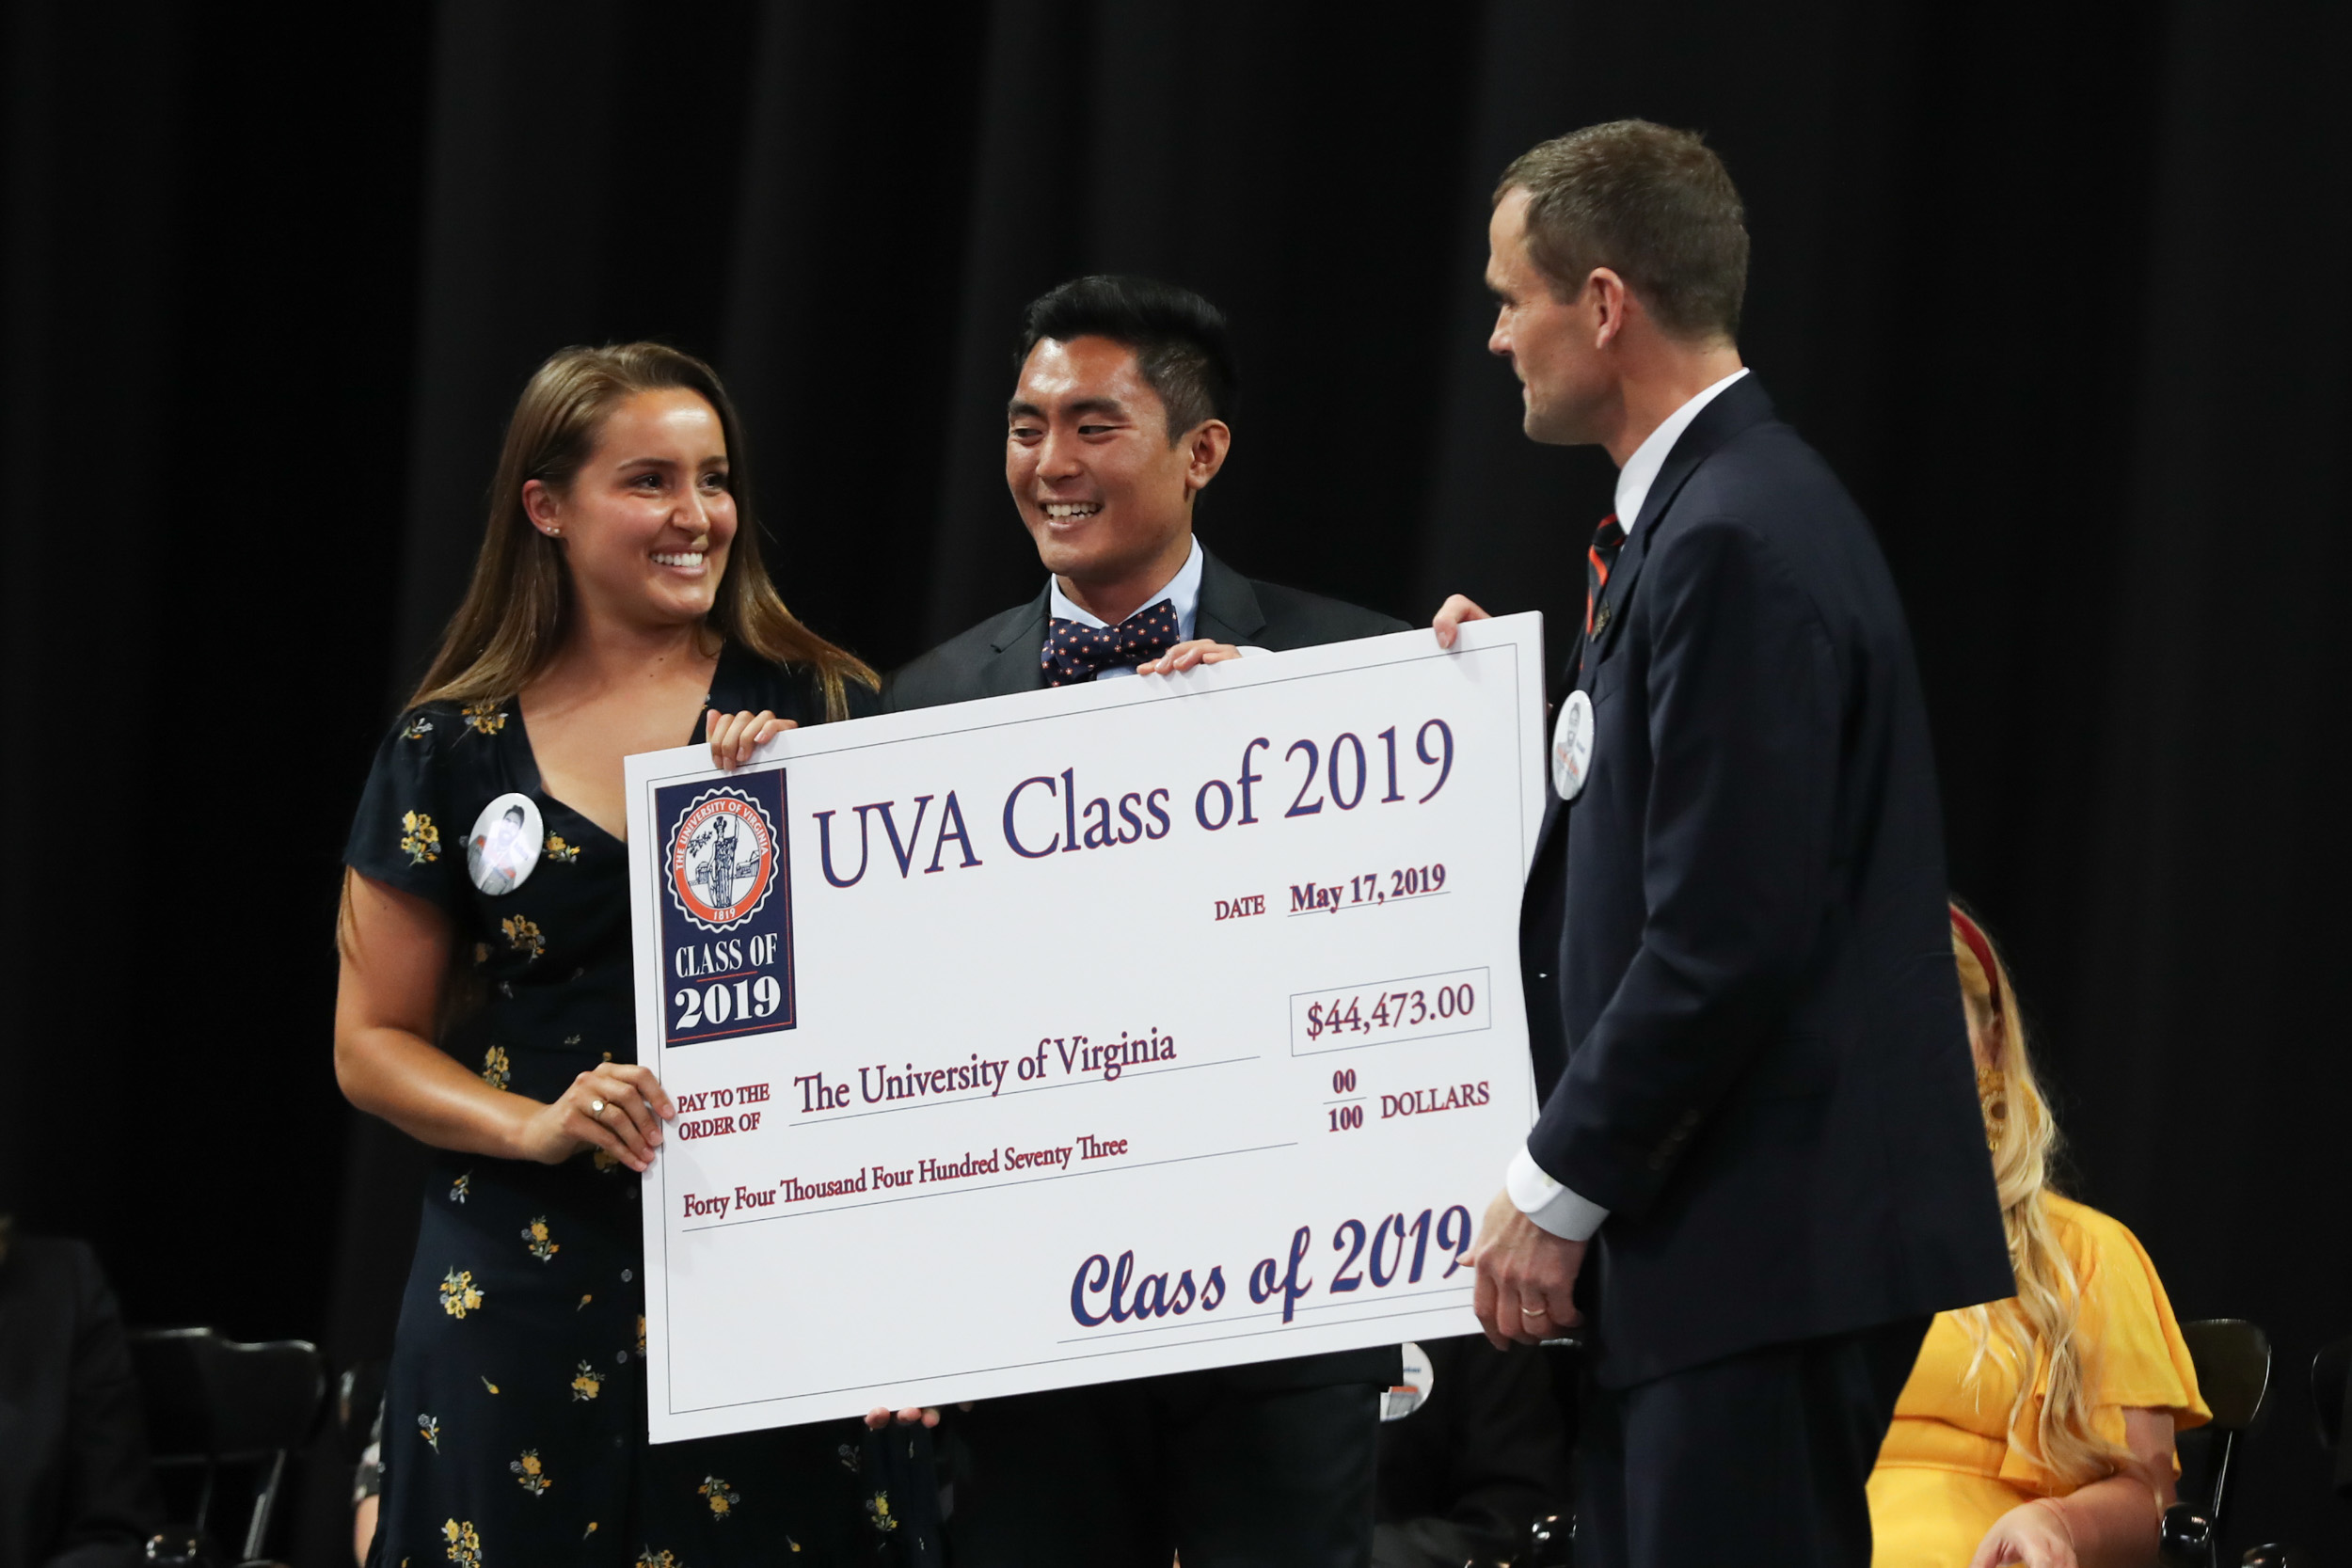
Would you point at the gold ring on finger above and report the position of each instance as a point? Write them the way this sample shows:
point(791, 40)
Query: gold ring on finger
point(595, 1109)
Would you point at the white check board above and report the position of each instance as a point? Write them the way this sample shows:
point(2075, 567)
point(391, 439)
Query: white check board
point(971, 1112)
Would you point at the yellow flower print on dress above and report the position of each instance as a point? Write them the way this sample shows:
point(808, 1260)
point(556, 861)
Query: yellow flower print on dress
point(523, 936)
point(651, 1559)
point(561, 853)
point(587, 1385)
point(465, 1545)
point(463, 1187)
point(721, 1501)
point(486, 716)
point(459, 1295)
point(640, 1335)
point(429, 1428)
point(418, 728)
point(536, 1238)
point(878, 1512)
point(528, 1473)
point(422, 841)
point(497, 1071)
point(605, 1161)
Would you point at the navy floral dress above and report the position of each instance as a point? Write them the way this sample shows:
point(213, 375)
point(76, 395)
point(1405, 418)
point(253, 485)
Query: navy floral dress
point(514, 1416)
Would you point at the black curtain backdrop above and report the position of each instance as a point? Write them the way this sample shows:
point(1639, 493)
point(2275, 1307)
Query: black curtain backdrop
point(2058, 290)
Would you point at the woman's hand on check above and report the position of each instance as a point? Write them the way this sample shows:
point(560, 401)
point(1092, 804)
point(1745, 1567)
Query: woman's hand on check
point(735, 736)
point(619, 1107)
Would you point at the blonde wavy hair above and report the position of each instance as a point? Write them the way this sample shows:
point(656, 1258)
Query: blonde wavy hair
point(2036, 1330)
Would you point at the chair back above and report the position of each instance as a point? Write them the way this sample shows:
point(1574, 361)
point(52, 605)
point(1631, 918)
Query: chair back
point(2233, 1361)
point(213, 1403)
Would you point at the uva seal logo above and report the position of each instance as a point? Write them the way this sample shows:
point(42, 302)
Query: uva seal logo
point(725, 907)
point(723, 861)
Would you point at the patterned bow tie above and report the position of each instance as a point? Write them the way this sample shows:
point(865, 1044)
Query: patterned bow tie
point(1075, 652)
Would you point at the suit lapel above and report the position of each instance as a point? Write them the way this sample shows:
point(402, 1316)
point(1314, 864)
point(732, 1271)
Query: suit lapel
point(1228, 611)
point(1736, 407)
point(1017, 664)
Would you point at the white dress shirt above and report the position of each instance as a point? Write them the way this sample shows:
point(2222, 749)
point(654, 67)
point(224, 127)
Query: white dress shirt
point(1182, 591)
point(1560, 1210)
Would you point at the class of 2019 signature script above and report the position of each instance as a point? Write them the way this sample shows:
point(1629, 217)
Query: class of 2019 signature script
point(1394, 1251)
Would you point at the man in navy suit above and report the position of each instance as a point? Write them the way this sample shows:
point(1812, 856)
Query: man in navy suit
point(1759, 1167)
point(1116, 424)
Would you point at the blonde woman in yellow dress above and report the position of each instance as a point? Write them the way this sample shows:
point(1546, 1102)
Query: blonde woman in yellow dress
point(2036, 1430)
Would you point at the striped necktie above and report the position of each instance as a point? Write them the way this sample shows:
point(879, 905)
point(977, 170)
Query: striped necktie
point(1608, 540)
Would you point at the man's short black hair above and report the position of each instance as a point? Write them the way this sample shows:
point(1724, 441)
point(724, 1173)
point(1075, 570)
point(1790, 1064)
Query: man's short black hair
point(1180, 340)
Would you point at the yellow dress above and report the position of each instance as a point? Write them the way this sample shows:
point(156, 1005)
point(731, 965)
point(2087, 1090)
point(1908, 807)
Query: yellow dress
point(1952, 1464)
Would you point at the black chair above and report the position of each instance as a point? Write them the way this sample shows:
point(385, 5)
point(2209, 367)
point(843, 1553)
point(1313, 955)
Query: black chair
point(2233, 1360)
point(214, 1406)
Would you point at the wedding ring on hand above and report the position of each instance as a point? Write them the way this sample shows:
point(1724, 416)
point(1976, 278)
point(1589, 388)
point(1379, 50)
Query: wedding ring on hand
point(1532, 1313)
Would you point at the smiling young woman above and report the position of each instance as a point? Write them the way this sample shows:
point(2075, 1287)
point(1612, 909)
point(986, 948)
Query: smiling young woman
point(618, 605)
point(522, 600)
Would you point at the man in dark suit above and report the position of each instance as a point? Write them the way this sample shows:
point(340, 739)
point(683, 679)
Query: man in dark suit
point(1117, 423)
point(1759, 1164)
point(1115, 427)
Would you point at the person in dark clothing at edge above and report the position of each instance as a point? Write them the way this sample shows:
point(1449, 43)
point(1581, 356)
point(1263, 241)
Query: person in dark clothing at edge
point(75, 1488)
point(1117, 423)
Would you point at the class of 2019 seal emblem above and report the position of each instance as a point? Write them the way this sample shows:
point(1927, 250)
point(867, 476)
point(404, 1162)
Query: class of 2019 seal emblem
point(723, 860)
point(724, 870)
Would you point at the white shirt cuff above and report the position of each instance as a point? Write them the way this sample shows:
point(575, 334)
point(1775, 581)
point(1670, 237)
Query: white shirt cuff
point(1552, 1206)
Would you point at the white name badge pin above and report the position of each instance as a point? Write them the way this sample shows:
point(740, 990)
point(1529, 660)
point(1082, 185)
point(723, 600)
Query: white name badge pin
point(504, 849)
point(1572, 746)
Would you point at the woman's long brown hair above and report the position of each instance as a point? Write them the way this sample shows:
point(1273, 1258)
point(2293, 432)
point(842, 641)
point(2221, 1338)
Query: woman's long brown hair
point(518, 606)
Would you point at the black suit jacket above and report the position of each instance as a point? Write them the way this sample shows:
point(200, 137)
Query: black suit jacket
point(1747, 1021)
point(1001, 655)
point(76, 1489)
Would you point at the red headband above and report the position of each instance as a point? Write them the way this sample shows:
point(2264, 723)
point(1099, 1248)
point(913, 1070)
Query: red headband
point(1975, 937)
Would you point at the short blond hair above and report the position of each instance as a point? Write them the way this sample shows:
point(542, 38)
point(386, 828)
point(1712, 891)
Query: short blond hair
point(1652, 204)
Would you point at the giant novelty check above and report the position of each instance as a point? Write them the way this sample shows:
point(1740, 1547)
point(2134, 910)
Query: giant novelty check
point(1072, 1036)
